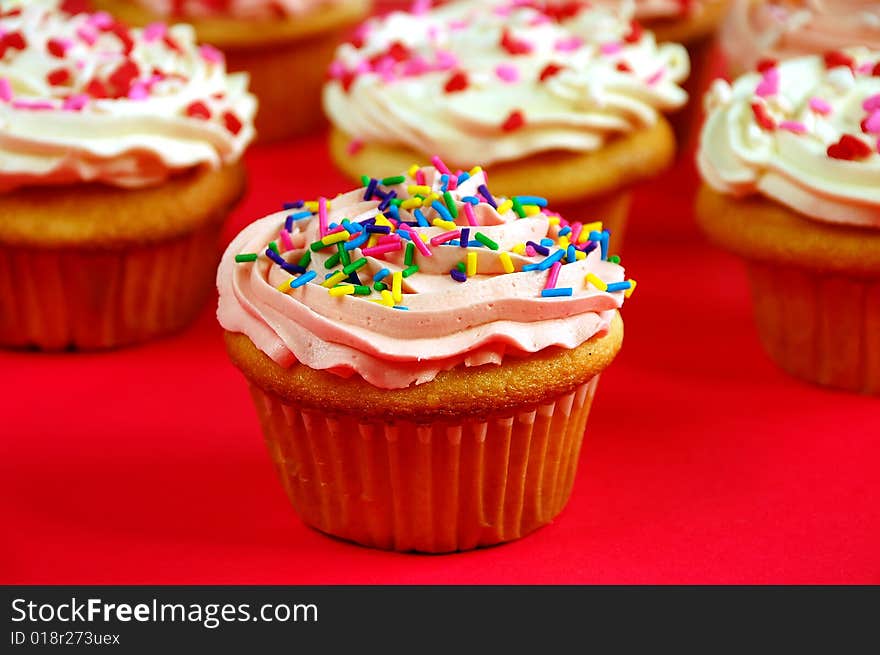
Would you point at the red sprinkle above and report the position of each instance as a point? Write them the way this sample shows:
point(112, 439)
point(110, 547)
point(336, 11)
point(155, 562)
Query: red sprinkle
point(56, 48)
point(232, 123)
point(12, 40)
point(635, 33)
point(623, 67)
point(550, 70)
point(198, 109)
point(123, 77)
point(513, 46)
point(836, 58)
point(849, 148)
point(96, 89)
point(766, 64)
point(347, 80)
point(876, 71)
point(399, 52)
point(458, 82)
point(515, 121)
point(58, 77)
point(764, 119)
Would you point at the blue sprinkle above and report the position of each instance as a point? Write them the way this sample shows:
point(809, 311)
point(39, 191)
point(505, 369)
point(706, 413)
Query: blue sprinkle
point(288, 223)
point(293, 269)
point(371, 189)
point(297, 204)
point(471, 200)
point(552, 259)
point(589, 247)
point(441, 209)
point(532, 200)
point(541, 250)
point(488, 196)
point(619, 286)
point(404, 234)
point(378, 229)
point(275, 257)
point(571, 254)
point(302, 280)
point(394, 211)
point(444, 183)
point(565, 231)
point(464, 177)
point(457, 275)
point(476, 244)
point(385, 204)
point(381, 275)
point(332, 226)
point(454, 242)
point(465, 237)
point(354, 279)
point(403, 309)
point(531, 267)
point(547, 243)
point(420, 217)
point(357, 242)
point(557, 293)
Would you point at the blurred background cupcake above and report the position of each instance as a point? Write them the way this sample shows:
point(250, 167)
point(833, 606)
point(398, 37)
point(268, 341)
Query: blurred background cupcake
point(758, 29)
point(790, 157)
point(567, 105)
point(423, 374)
point(119, 159)
point(285, 45)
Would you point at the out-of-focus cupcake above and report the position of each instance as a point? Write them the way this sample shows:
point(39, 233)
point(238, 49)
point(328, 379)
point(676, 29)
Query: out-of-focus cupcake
point(567, 105)
point(423, 371)
point(758, 29)
point(792, 170)
point(119, 159)
point(285, 45)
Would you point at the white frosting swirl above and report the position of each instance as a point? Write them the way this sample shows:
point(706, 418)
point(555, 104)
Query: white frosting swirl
point(803, 134)
point(235, 8)
point(84, 99)
point(465, 81)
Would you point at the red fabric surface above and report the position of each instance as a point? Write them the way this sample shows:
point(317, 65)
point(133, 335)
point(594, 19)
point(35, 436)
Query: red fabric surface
point(703, 463)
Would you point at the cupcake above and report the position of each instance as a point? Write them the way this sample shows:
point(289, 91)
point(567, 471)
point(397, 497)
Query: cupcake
point(757, 29)
point(791, 167)
point(285, 46)
point(423, 355)
point(119, 159)
point(564, 104)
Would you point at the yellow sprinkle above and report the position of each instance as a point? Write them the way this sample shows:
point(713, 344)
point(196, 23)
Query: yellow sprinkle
point(430, 198)
point(396, 284)
point(373, 241)
point(564, 242)
point(413, 170)
point(476, 170)
point(630, 291)
point(471, 264)
point(336, 237)
point(532, 210)
point(411, 203)
point(284, 288)
point(592, 227)
point(446, 225)
point(553, 220)
point(505, 207)
point(519, 249)
point(580, 255)
point(381, 220)
point(505, 262)
point(413, 189)
point(387, 299)
point(312, 206)
point(342, 290)
point(334, 279)
point(424, 237)
point(596, 282)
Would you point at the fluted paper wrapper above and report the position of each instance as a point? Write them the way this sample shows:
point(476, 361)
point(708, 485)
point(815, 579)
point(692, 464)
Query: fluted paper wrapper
point(823, 328)
point(55, 299)
point(434, 488)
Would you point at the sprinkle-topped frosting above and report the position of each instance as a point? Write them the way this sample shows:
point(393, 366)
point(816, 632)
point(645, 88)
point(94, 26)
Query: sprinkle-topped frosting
point(417, 274)
point(83, 98)
point(234, 8)
point(500, 80)
point(782, 30)
point(805, 132)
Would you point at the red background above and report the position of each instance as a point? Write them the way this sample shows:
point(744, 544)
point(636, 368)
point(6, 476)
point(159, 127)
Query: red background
point(703, 463)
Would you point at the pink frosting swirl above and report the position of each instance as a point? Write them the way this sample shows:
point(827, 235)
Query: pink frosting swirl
point(447, 323)
point(782, 30)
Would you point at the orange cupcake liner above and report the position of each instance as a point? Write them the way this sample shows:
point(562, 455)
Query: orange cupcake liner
point(56, 299)
point(820, 327)
point(432, 488)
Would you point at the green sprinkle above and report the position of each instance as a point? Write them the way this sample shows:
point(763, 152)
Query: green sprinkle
point(486, 241)
point(409, 271)
point(332, 261)
point(343, 254)
point(365, 180)
point(410, 253)
point(397, 202)
point(450, 204)
point(518, 208)
point(461, 266)
point(614, 259)
point(380, 287)
point(317, 245)
point(391, 181)
point(360, 290)
point(248, 257)
point(306, 259)
point(274, 248)
point(354, 266)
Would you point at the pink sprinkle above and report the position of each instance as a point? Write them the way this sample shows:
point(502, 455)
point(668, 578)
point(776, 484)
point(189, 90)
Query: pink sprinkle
point(322, 217)
point(420, 177)
point(469, 213)
point(872, 123)
point(335, 230)
point(355, 147)
point(211, 55)
point(33, 105)
point(457, 25)
point(656, 77)
point(610, 48)
point(381, 250)
point(420, 245)
point(576, 232)
point(138, 91)
point(421, 7)
point(440, 166)
point(553, 277)
point(5, 90)
point(530, 251)
point(872, 103)
point(286, 241)
point(446, 60)
point(87, 34)
point(569, 45)
point(507, 73)
point(793, 126)
point(820, 106)
point(100, 19)
point(155, 32)
point(866, 69)
point(75, 103)
point(769, 85)
point(440, 239)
